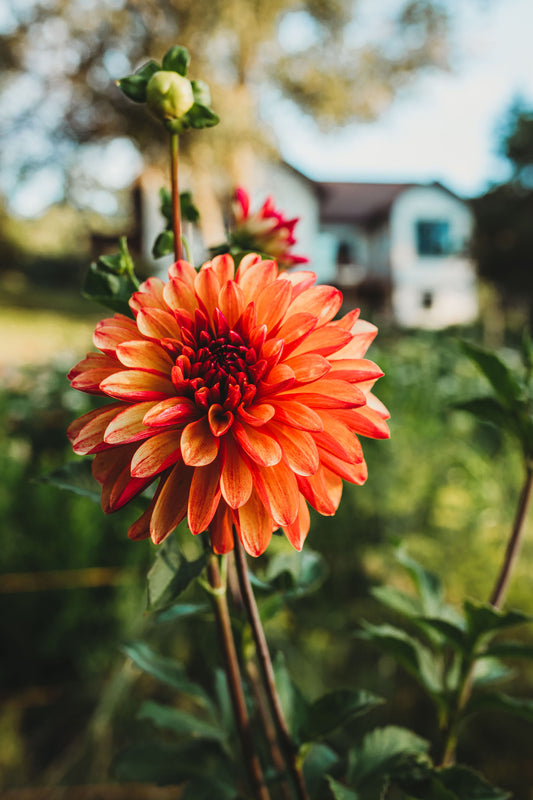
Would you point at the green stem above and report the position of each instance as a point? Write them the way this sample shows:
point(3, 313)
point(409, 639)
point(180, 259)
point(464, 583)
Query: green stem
point(287, 745)
point(497, 599)
point(176, 214)
point(240, 712)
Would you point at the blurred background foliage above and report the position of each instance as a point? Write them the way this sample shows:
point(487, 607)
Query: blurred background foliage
point(72, 587)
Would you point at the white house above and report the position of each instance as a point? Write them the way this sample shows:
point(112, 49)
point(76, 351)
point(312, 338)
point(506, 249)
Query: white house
point(399, 248)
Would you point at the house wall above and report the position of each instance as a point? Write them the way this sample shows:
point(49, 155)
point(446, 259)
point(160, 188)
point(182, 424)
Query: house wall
point(431, 291)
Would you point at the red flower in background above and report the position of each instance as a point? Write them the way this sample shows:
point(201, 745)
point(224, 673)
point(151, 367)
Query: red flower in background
point(266, 231)
point(238, 394)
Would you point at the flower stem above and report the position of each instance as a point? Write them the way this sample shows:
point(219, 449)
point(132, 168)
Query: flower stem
point(176, 214)
point(496, 600)
point(240, 712)
point(267, 673)
point(499, 592)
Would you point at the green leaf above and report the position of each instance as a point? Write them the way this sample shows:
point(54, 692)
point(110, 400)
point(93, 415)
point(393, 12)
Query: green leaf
point(509, 650)
point(318, 759)
point(201, 93)
point(334, 710)
point(111, 281)
point(75, 476)
point(452, 634)
point(293, 703)
point(163, 764)
point(497, 373)
point(170, 574)
point(182, 610)
point(179, 722)
point(188, 210)
point(374, 760)
point(177, 59)
point(499, 702)
point(166, 670)
point(408, 651)
point(466, 784)
point(164, 244)
point(200, 116)
point(483, 619)
point(428, 584)
point(487, 409)
point(297, 574)
point(339, 791)
point(134, 86)
point(406, 604)
point(490, 670)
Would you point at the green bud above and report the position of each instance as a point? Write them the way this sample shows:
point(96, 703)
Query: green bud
point(169, 95)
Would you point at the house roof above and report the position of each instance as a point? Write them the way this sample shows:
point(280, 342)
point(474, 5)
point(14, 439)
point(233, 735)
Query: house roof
point(357, 202)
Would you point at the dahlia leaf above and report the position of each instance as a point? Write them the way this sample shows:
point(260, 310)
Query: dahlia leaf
point(465, 784)
point(488, 409)
point(201, 93)
point(509, 650)
point(294, 705)
point(427, 584)
point(179, 722)
point(488, 670)
point(497, 373)
point(164, 244)
point(177, 59)
point(379, 754)
point(200, 116)
point(170, 574)
point(134, 86)
point(318, 759)
point(405, 604)
point(484, 619)
point(297, 574)
point(76, 477)
point(334, 710)
point(452, 634)
point(111, 281)
point(339, 791)
point(498, 701)
point(182, 610)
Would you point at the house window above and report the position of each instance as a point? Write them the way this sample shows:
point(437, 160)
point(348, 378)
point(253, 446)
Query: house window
point(433, 237)
point(427, 300)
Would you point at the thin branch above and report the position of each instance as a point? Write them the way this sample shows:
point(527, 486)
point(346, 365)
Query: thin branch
point(176, 213)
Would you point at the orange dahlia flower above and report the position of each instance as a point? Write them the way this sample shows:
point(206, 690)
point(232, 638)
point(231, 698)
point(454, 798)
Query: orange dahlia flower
point(238, 394)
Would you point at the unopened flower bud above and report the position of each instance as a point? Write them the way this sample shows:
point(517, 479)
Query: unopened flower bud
point(169, 95)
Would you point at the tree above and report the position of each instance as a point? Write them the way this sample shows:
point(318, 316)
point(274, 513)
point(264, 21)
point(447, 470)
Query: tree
point(59, 60)
point(503, 238)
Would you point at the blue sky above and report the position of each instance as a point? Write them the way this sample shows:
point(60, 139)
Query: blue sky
point(443, 127)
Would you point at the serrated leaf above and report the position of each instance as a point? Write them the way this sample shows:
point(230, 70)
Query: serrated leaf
point(297, 574)
point(373, 761)
point(334, 710)
point(427, 583)
point(182, 610)
point(181, 723)
point(111, 281)
point(499, 702)
point(408, 651)
point(75, 476)
point(318, 760)
point(201, 93)
point(177, 59)
point(450, 633)
point(163, 764)
point(497, 373)
point(339, 791)
point(466, 784)
point(163, 245)
point(484, 619)
point(170, 574)
point(166, 670)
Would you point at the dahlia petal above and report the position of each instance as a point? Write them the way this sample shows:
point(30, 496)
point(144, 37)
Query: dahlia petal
point(87, 432)
point(278, 490)
point(89, 373)
point(338, 438)
point(365, 421)
point(127, 426)
point(236, 478)
point(349, 319)
point(354, 473)
point(262, 449)
point(298, 447)
point(144, 355)
point(327, 393)
point(111, 468)
point(198, 445)
point(158, 324)
point(272, 302)
point(321, 301)
point(297, 531)
point(324, 341)
point(149, 295)
point(184, 271)
point(224, 268)
point(171, 411)
point(179, 295)
point(171, 505)
point(159, 452)
point(137, 385)
point(254, 525)
point(353, 369)
point(140, 529)
point(220, 421)
point(308, 367)
point(231, 302)
point(300, 280)
point(221, 530)
point(109, 333)
point(256, 277)
point(207, 288)
point(247, 263)
point(256, 415)
point(297, 415)
point(272, 351)
point(295, 329)
point(317, 491)
point(376, 405)
point(204, 496)
point(280, 378)
point(363, 334)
